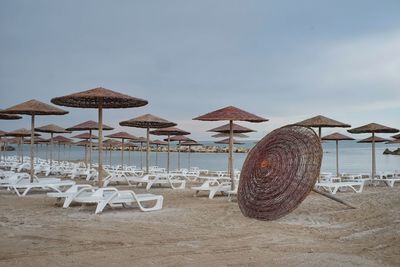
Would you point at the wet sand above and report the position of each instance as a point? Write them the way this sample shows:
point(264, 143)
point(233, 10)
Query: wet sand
point(196, 231)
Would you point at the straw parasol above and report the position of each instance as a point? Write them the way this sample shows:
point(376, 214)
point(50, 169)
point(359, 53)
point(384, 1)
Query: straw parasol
point(33, 108)
point(148, 122)
point(397, 136)
point(130, 146)
point(337, 137)
point(9, 116)
point(375, 139)
point(230, 114)
point(168, 132)
point(99, 98)
point(224, 135)
point(158, 143)
point(235, 127)
point(61, 140)
point(179, 139)
point(52, 129)
point(111, 143)
point(190, 143)
point(89, 126)
point(20, 134)
point(141, 141)
point(123, 136)
point(227, 142)
point(86, 137)
point(373, 128)
point(321, 122)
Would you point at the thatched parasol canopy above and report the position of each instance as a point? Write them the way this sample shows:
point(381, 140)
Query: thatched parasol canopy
point(337, 137)
point(51, 128)
point(99, 98)
point(373, 128)
point(178, 138)
point(159, 143)
point(36, 140)
point(321, 122)
point(222, 135)
point(226, 141)
point(23, 132)
point(397, 136)
point(236, 129)
point(84, 143)
point(230, 114)
point(396, 141)
point(89, 125)
point(9, 116)
point(122, 136)
point(371, 139)
point(2, 133)
point(62, 139)
point(147, 121)
point(85, 136)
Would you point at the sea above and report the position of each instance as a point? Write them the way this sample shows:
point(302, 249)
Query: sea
point(353, 157)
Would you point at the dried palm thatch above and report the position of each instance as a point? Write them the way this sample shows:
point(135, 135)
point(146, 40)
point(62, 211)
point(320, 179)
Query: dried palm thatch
point(230, 113)
point(235, 127)
point(89, 125)
point(238, 135)
point(9, 116)
point(373, 128)
point(147, 121)
point(99, 97)
point(226, 141)
point(397, 136)
point(23, 132)
point(86, 136)
point(34, 107)
point(179, 138)
point(279, 172)
point(62, 140)
point(51, 128)
point(375, 139)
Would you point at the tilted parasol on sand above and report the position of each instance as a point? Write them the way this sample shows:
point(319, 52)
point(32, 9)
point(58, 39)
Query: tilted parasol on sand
point(337, 137)
point(230, 114)
point(99, 98)
point(33, 108)
point(148, 122)
point(169, 131)
point(373, 128)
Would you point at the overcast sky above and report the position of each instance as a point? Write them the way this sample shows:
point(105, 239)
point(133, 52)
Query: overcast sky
point(283, 60)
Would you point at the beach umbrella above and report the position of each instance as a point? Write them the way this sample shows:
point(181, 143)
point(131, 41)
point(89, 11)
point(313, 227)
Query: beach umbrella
point(99, 98)
point(230, 114)
point(86, 144)
point(321, 122)
point(147, 122)
point(52, 129)
point(158, 143)
point(375, 139)
point(141, 141)
point(169, 131)
point(189, 144)
point(61, 140)
point(4, 116)
point(111, 143)
point(89, 126)
point(179, 139)
point(337, 137)
point(33, 108)
point(397, 136)
point(86, 136)
point(130, 146)
point(227, 142)
point(20, 133)
point(373, 128)
point(123, 136)
point(224, 135)
point(37, 140)
point(236, 128)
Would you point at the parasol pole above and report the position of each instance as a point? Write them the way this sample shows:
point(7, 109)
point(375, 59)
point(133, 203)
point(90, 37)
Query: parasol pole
point(179, 156)
point(86, 155)
point(59, 150)
point(100, 182)
point(337, 158)
point(147, 149)
point(122, 153)
point(110, 147)
point(373, 156)
point(129, 155)
point(32, 145)
point(168, 154)
point(141, 155)
point(51, 150)
point(157, 155)
point(330, 196)
point(90, 150)
point(231, 172)
point(20, 148)
point(189, 157)
point(69, 152)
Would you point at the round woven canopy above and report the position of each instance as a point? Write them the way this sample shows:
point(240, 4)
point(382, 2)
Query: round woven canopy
point(321, 121)
point(396, 141)
point(235, 127)
point(36, 140)
point(122, 135)
point(158, 142)
point(99, 97)
point(34, 107)
point(397, 136)
point(139, 140)
point(237, 135)
point(373, 128)
point(61, 139)
point(147, 121)
point(230, 113)
point(89, 125)
point(51, 128)
point(111, 142)
point(84, 143)
point(337, 136)
point(9, 116)
point(226, 141)
point(20, 133)
point(191, 143)
point(178, 138)
point(169, 131)
point(279, 172)
point(375, 139)
point(85, 136)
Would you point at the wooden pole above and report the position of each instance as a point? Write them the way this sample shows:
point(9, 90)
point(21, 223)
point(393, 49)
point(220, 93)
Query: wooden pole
point(32, 145)
point(147, 149)
point(168, 154)
point(51, 149)
point(335, 199)
point(373, 157)
point(141, 155)
point(21, 149)
point(90, 148)
point(337, 158)
point(231, 171)
point(100, 180)
point(189, 158)
point(179, 155)
point(122, 153)
point(157, 155)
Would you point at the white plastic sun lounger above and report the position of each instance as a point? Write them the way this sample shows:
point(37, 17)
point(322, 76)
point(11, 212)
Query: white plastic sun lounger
point(388, 178)
point(212, 187)
point(168, 179)
point(111, 196)
point(23, 187)
point(334, 187)
point(71, 191)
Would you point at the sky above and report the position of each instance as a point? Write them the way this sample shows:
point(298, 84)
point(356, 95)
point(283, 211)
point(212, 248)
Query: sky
point(283, 60)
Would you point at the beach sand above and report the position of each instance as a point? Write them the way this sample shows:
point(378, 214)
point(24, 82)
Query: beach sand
point(196, 231)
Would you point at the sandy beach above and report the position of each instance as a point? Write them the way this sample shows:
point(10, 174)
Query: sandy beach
point(196, 231)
